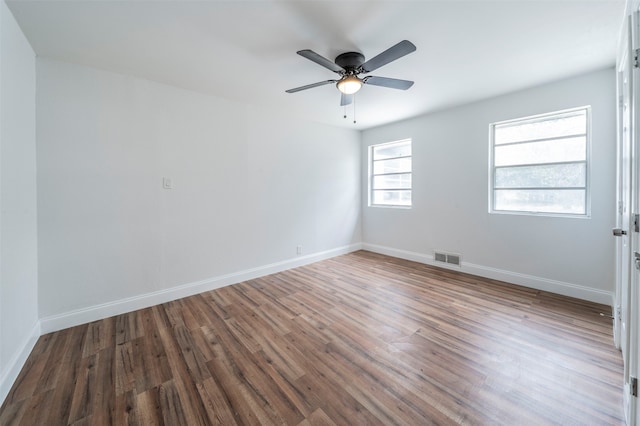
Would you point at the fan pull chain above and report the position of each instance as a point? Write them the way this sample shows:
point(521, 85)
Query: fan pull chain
point(354, 109)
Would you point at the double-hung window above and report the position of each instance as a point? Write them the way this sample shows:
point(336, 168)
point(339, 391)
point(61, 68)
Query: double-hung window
point(390, 174)
point(540, 164)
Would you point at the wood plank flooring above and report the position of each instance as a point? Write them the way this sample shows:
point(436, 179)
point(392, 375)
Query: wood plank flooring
point(354, 340)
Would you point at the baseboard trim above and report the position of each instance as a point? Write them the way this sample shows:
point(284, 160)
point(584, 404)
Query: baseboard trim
point(105, 310)
point(18, 361)
point(538, 283)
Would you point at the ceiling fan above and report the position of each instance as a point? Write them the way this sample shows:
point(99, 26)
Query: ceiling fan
point(350, 65)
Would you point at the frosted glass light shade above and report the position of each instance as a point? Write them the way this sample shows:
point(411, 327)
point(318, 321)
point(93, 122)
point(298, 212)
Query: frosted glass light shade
point(349, 85)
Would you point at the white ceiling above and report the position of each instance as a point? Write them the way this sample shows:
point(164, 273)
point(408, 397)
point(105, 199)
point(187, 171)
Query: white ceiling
point(246, 50)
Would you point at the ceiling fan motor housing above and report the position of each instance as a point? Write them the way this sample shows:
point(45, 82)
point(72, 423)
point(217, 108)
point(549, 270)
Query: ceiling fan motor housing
point(350, 61)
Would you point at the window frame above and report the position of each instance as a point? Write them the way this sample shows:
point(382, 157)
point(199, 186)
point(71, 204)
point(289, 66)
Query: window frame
point(372, 175)
point(587, 162)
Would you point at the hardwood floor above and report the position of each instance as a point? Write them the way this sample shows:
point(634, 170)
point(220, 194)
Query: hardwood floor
point(357, 339)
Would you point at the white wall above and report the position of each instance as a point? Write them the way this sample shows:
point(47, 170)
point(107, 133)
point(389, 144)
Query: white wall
point(18, 232)
point(249, 186)
point(450, 195)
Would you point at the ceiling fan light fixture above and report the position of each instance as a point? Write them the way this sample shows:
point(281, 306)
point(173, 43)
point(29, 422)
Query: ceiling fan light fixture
point(349, 84)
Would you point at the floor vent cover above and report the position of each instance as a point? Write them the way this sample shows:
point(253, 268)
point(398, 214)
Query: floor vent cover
point(450, 258)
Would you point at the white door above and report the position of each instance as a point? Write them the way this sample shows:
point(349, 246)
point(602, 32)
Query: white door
point(630, 296)
point(626, 327)
point(623, 231)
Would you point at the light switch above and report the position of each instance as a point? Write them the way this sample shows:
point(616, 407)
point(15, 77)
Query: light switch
point(167, 183)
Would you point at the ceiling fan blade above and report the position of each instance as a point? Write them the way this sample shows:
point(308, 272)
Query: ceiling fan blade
point(320, 60)
point(310, 86)
point(391, 54)
point(346, 99)
point(392, 83)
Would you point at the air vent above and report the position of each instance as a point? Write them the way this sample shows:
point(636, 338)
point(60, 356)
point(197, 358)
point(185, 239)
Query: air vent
point(450, 258)
point(440, 257)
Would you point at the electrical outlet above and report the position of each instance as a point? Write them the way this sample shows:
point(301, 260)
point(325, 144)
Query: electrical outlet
point(299, 250)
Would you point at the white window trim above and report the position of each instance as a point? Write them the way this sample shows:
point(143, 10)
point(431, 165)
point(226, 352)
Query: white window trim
point(587, 214)
point(371, 176)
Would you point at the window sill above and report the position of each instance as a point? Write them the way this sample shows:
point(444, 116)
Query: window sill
point(389, 206)
point(541, 214)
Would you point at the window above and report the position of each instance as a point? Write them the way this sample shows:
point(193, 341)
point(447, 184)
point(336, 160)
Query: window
point(390, 174)
point(541, 164)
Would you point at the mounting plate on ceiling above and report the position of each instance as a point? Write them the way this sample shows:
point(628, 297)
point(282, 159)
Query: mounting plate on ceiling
point(350, 61)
